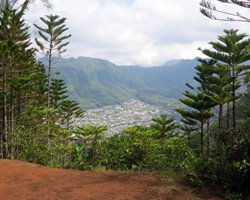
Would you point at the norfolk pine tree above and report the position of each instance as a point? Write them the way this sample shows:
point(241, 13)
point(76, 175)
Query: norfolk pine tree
point(231, 50)
point(17, 58)
point(58, 91)
point(163, 126)
point(199, 110)
point(208, 9)
point(53, 45)
point(203, 77)
point(69, 110)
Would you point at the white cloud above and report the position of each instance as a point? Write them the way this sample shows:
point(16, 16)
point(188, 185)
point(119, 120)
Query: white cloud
point(142, 32)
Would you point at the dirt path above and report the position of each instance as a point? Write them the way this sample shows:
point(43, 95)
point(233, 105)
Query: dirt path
point(24, 181)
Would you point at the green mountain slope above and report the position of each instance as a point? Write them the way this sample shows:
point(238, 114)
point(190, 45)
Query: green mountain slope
point(96, 82)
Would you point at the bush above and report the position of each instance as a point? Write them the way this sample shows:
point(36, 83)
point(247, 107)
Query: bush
point(31, 145)
point(116, 152)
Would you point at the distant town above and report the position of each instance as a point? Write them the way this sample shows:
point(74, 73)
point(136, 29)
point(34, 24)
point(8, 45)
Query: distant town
point(117, 117)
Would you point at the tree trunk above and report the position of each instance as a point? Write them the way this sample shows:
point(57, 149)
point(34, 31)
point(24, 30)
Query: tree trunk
point(49, 72)
point(208, 136)
point(11, 100)
point(49, 80)
point(218, 136)
point(220, 115)
point(19, 104)
point(12, 106)
point(188, 137)
point(228, 115)
point(4, 113)
point(202, 138)
point(234, 95)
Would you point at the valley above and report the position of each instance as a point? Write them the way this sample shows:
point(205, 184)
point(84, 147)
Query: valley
point(92, 106)
point(117, 117)
point(123, 96)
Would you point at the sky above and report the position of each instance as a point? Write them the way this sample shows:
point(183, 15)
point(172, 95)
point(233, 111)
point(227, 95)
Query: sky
point(136, 32)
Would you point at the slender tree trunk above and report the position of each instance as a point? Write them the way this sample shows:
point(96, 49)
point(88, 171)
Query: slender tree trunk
point(68, 123)
point(220, 116)
point(228, 115)
point(19, 100)
point(49, 73)
point(218, 136)
point(202, 138)
point(19, 104)
point(188, 137)
point(234, 95)
point(12, 107)
point(49, 77)
point(11, 100)
point(208, 136)
point(4, 113)
point(49, 83)
point(94, 149)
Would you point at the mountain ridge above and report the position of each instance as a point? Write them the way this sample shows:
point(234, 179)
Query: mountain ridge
point(95, 82)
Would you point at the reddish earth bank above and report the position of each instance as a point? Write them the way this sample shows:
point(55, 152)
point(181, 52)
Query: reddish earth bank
point(25, 181)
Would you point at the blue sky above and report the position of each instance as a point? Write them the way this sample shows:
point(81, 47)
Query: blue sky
point(137, 32)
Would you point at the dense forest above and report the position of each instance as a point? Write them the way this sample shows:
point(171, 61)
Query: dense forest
point(210, 145)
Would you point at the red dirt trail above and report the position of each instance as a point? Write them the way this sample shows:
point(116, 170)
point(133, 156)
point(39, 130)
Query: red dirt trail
point(25, 181)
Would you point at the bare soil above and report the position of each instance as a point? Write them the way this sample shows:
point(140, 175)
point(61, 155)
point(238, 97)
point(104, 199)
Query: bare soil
point(25, 181)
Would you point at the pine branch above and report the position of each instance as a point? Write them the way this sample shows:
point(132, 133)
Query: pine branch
point(207, 9)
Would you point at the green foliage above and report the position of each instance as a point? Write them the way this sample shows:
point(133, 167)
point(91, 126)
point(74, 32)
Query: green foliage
point(52, 35)
point(178, 156)
point(58, 92)
point(199, 112)
point(232, 52)
point(139, 146)
point(30, 143)
point(68, 111)
point(116, 152)
point(163, 126)
point(53, 45)
point(226, 161)
point(232, 176)
point(78, 157)
point(244, 112)
point(38, 85)
point(17, 65)
point(90, 137)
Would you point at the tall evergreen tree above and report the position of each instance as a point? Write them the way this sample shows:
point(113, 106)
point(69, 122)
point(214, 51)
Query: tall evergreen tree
point(53, 44)
point(203, 78)
point(220, 88)
point(17, 58)
point(231, 50)
point(58, 92)
point(4, 119)
point(38, 85)
point(199, 111)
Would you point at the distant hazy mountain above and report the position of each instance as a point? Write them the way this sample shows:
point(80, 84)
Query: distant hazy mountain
point(96, 82)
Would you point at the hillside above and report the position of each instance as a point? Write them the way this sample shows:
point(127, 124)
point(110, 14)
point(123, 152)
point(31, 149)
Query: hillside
point(96, 82)
point(25, 181)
